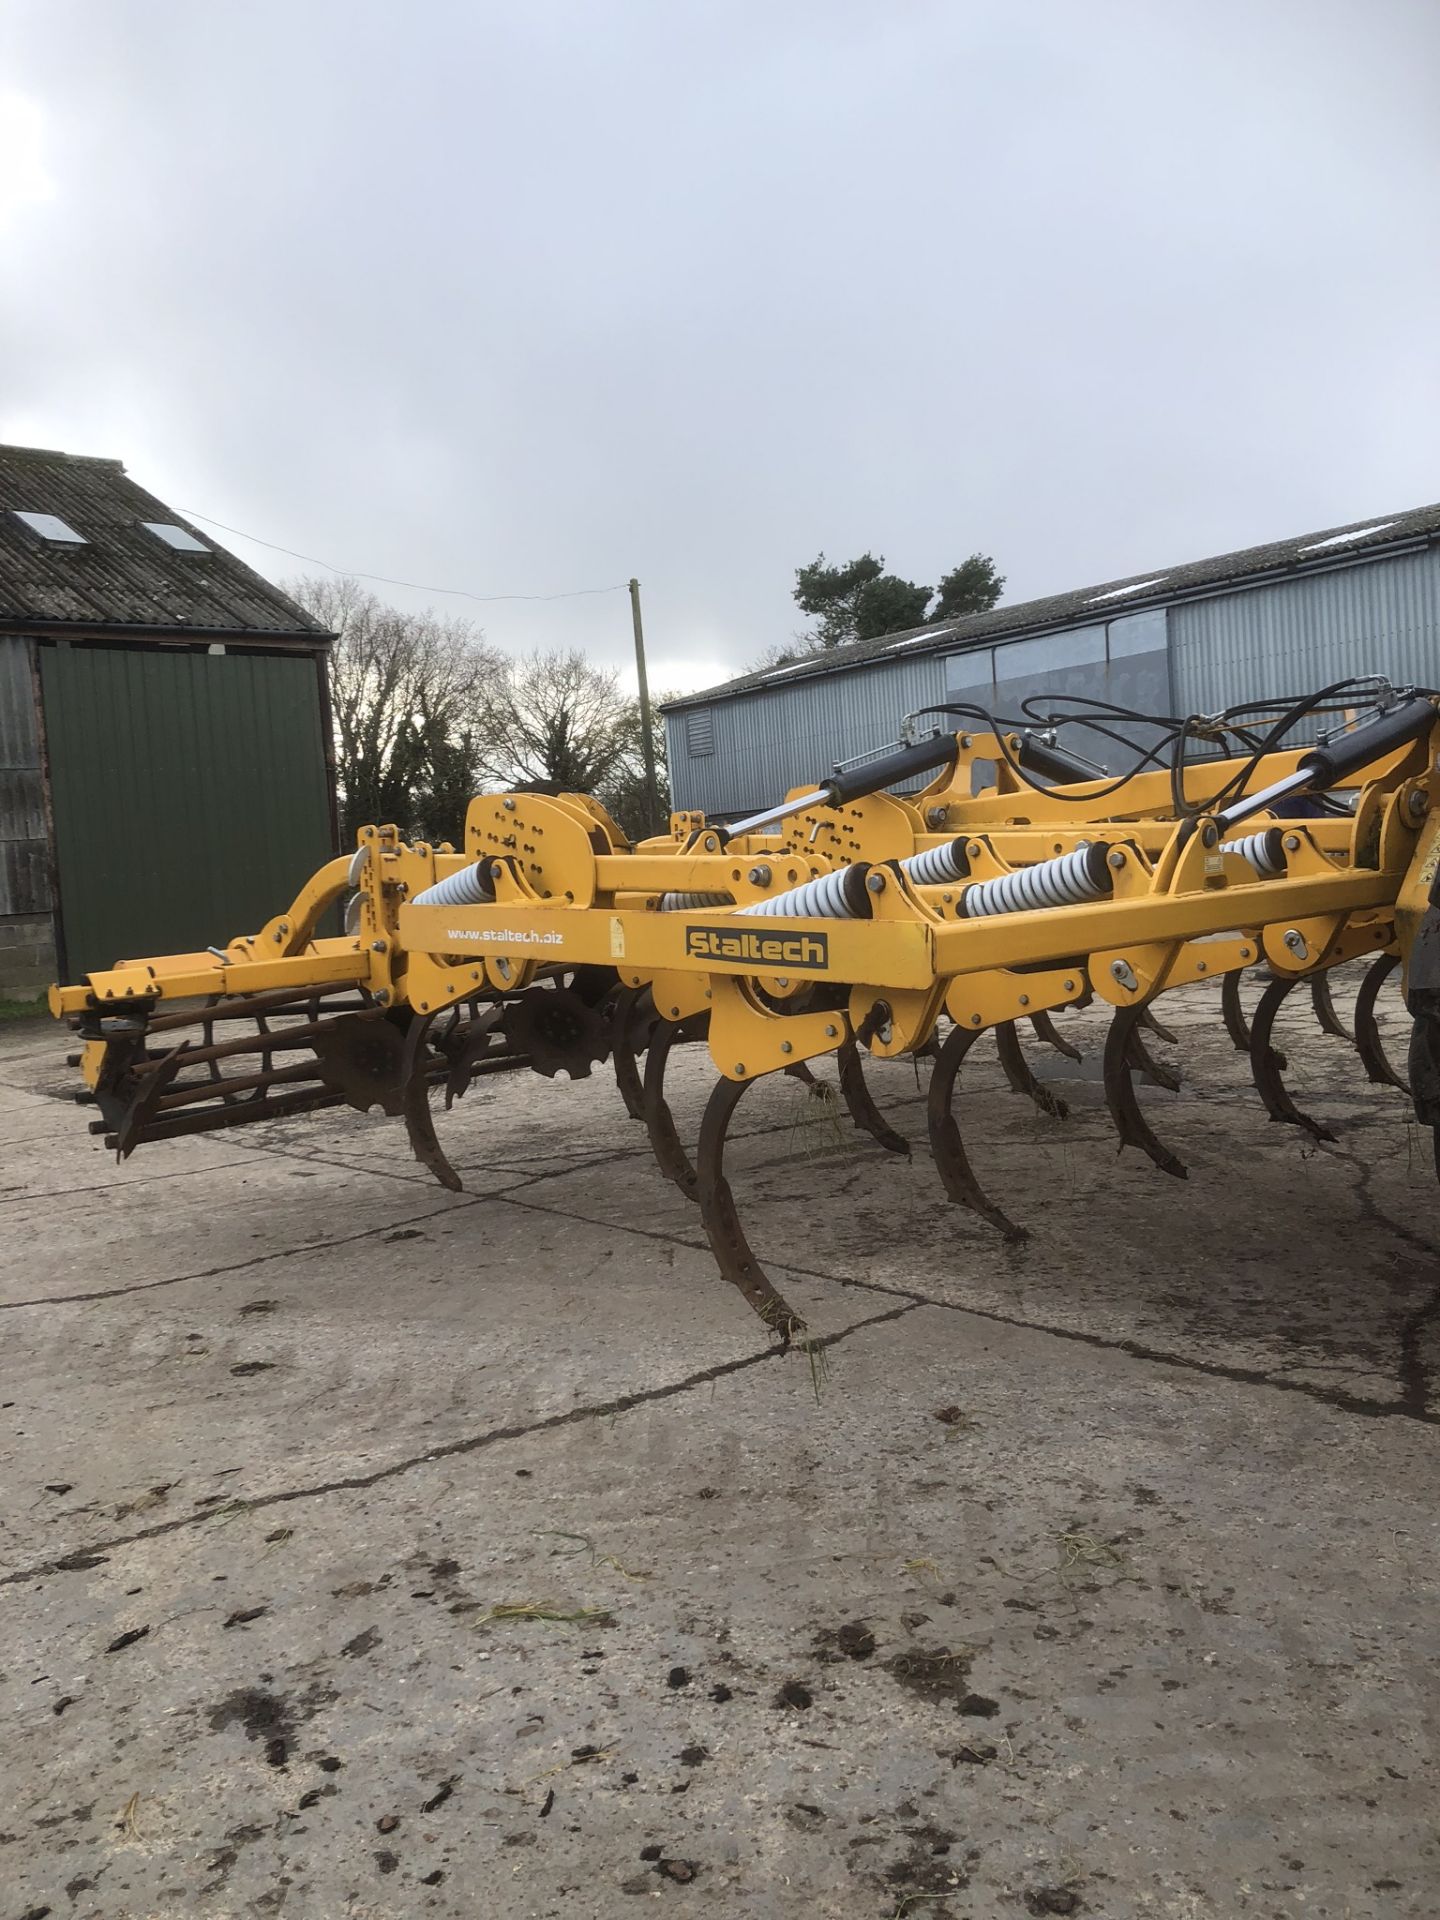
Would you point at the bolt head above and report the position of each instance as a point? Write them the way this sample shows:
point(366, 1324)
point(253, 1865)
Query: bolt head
point(830, 1032)
point(781, 983)
point(1117, 858)
point(740, 1066)
point(1024, 999)
point(974, 1019)
point(1292, 842)
point(786, 1047)
point(875, 882)
point(1069, 986)
point(1209, 833)
point(1202, 966)
point(937, 816)
point(508, 804)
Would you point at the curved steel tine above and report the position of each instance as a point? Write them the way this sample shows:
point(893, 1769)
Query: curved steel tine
point(733, 1252)
point(623, 1050)
point(1047, 1030)
point(946, 1146)
point(1018, 1073)
point(860, 1102)
point(1120, 1096)
point(1233, 1014)
point(1368, 1044)
point(1157, 1027)
point(1267, 1065)
point(665, 1141)
point(1140, 1056)
point(1330, 1021)
point(415, 1101)
point(464, 1063)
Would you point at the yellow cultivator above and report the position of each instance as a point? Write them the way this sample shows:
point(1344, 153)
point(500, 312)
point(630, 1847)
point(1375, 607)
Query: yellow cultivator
point(846, 921)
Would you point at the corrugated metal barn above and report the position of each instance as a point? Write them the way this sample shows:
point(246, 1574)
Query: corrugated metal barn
point(166, 774)
point(1271, 620)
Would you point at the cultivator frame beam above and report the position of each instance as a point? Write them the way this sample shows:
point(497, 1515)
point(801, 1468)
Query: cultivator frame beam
point(859, 922)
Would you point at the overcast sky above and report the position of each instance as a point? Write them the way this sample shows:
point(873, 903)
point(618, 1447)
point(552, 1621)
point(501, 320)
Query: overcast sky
point(529, 298)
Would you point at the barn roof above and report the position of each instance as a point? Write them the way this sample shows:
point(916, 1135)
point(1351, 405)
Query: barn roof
point(1304, 553)
point(120, 572)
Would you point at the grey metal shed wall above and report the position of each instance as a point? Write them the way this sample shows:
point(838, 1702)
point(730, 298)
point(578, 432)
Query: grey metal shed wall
point(24, 865)
point(775, 737)
point(1293, 635)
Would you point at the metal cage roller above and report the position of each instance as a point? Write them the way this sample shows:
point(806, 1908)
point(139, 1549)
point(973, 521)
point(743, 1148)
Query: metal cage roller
point(838, 895)
point(1069, 880)
point(947, 1149)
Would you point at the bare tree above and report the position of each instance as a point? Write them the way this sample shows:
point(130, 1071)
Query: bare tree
point(556, 721)
point(409, 694)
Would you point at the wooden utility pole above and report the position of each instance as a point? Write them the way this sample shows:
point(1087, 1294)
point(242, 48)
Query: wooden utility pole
point(647, 735)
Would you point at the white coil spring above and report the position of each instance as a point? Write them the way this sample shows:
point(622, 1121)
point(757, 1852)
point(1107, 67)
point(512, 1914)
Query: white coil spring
point(824, 898)
point(1068, 881)
point(936, 866)
point(1265, 851)
point(470, 887)
point(694, 902)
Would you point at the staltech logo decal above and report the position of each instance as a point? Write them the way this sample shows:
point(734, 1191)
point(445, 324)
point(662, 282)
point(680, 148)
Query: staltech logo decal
point(795, 952)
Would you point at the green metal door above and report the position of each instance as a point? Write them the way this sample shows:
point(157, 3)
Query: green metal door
point(189, 793)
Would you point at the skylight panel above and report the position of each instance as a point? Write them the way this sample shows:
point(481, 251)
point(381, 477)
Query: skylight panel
point(180, 538)
point(915, 640)
point(1346, 539)
point(50, 526)
point(794, 667)
point(1119, 593)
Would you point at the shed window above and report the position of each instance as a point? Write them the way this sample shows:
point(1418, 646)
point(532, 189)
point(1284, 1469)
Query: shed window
point(50, 526)
point(700, 731)
point(180, 538)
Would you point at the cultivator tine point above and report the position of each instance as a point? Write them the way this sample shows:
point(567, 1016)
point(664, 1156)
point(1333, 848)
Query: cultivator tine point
point(946, 1145)
point(1047, 1031)
point(1233, 1013)
point(733, 1252)
point(1121, 1049)
point(1330, 1021)
point(415, 1102)
point(1018, 1072)
point(1236, 1024)
point(1157, 1027)
point(1267, 1065)
point(860, 1103)
point(665, 1141)
point(1368, 1043)
point(1145, 1062)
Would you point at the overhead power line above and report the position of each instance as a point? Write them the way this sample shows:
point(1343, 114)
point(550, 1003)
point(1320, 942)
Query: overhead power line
point(417, 586)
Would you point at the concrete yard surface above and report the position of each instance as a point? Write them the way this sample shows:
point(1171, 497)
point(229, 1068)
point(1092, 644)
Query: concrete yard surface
point(374, 1550)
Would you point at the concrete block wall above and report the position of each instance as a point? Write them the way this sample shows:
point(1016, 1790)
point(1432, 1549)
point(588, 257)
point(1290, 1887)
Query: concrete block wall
point(27, 955)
